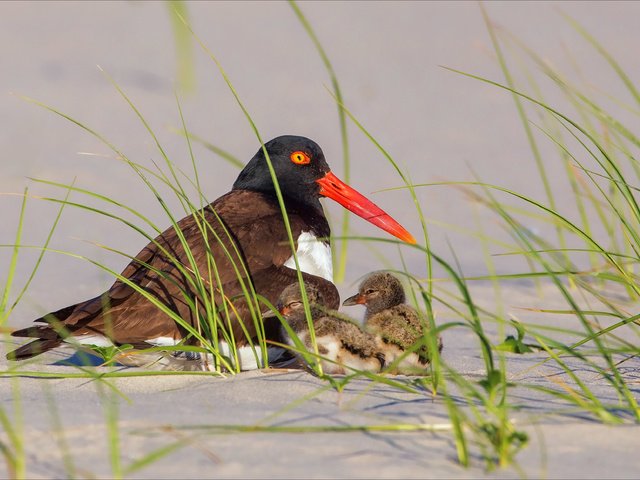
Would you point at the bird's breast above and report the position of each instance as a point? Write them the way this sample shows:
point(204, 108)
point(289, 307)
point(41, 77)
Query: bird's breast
point(314, 256)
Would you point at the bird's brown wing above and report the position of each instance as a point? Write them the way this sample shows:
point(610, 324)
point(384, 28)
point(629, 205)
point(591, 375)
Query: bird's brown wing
point(236, 224)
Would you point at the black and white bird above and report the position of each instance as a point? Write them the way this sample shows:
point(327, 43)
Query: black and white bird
point(242, 234)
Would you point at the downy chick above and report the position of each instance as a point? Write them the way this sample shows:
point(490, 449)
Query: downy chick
point(342, 345)
point(396, 325)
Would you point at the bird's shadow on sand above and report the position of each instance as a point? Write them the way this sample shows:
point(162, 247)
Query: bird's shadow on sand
point(81, 359)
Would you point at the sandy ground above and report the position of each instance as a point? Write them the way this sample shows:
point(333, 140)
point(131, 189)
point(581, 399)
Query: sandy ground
point(436, 124)
point(203, 411)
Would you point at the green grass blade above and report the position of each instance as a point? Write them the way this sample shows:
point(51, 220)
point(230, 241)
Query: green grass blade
point(4, 312)
point(154, 456)
point(341, 263)
point(184, 49)
point(607, 56)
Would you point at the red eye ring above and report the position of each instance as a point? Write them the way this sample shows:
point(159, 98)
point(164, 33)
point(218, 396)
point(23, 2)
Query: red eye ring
point(300, 158)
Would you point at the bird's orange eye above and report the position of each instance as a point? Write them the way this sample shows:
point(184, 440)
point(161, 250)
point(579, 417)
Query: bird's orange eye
point(300, 158)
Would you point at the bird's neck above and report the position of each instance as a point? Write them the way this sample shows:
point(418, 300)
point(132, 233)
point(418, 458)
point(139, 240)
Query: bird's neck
point(312, 214)
point(374, 308)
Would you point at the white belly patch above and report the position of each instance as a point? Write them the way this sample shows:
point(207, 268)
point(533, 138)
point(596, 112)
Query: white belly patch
point(314, 257)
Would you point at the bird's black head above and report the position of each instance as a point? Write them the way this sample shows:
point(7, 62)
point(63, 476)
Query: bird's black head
point(304, 176)
point(298, 163)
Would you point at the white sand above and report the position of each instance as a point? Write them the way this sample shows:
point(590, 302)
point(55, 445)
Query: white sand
point(563, 443)
point(435, 124)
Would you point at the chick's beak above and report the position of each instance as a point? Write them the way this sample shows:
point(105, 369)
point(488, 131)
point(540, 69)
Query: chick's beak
point(356, 299)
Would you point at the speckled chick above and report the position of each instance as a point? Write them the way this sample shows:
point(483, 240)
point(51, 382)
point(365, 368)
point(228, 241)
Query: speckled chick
point(396, 325)
point(342, 344)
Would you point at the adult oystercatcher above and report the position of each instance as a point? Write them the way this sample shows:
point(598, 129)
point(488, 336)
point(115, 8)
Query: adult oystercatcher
point(237, 245)
point(342, 345)
point(395, 324)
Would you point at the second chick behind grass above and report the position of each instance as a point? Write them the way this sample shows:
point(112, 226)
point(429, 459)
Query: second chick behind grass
point(396, 325)
point(343, 346)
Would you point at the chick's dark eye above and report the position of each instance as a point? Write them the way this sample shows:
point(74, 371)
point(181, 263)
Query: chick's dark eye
point(369, 291)
point(300, 158)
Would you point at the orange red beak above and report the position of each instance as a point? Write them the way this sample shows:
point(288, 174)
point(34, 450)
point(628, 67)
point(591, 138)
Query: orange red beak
point(334, 188)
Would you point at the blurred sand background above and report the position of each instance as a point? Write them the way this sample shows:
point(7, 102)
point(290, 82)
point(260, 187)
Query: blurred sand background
point(435, 123)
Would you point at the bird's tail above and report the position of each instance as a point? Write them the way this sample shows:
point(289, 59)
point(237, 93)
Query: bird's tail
point(34, 348)
point(47, 336)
